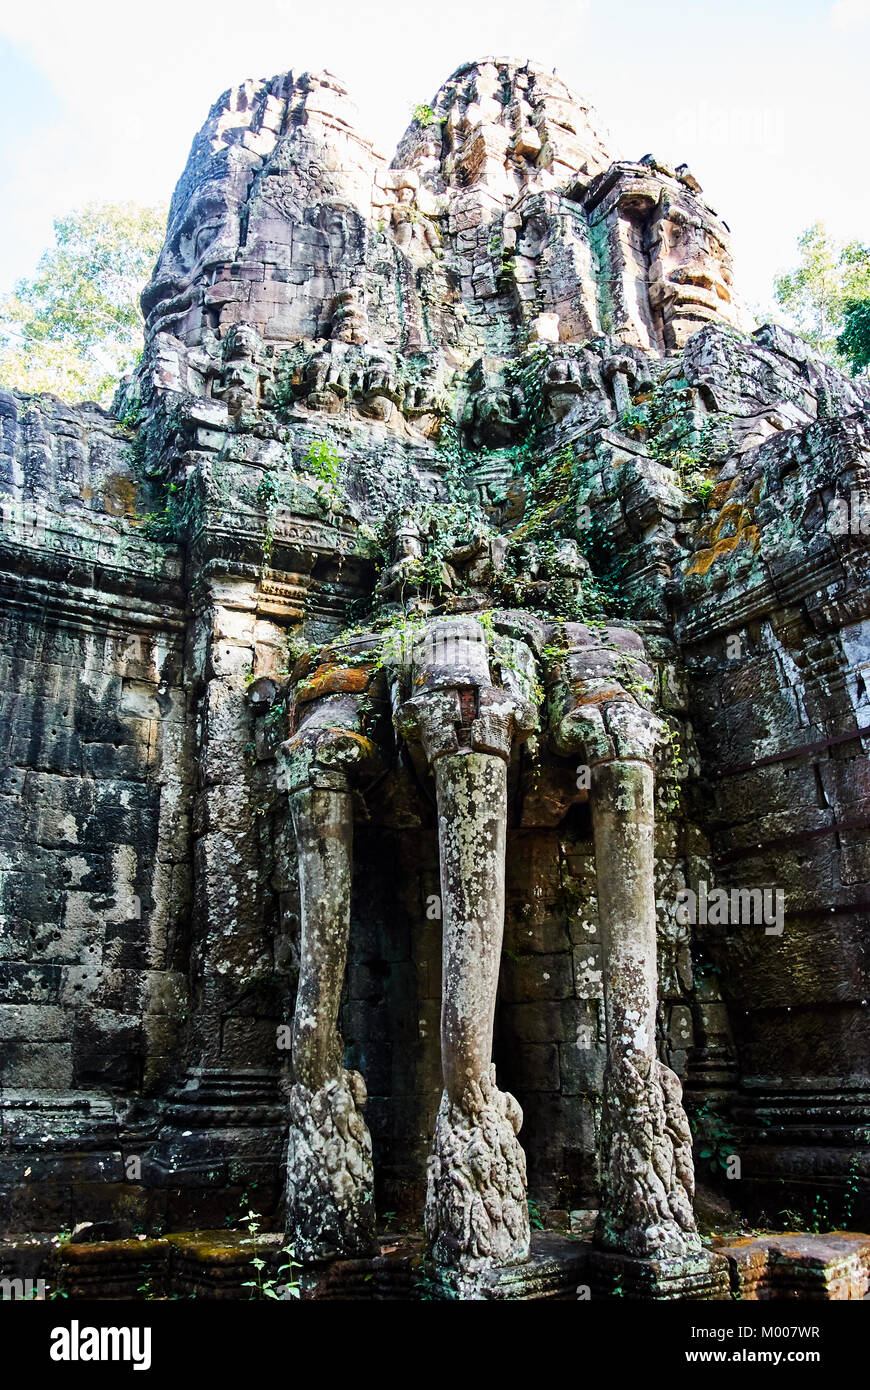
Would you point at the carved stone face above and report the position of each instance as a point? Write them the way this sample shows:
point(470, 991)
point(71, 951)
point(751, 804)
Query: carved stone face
point(203, 232)
point(690, 271)
point(241, 344)
point(697, 256)
point(408, 546)
point(536, 232)
point(267, 223)
point(528, 559)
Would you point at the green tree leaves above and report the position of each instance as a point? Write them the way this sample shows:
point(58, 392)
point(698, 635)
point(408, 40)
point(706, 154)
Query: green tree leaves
point(75, 327)
point(854, 341)
point(824, 295)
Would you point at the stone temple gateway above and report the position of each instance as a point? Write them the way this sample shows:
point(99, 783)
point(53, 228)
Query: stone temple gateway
point(435, 714)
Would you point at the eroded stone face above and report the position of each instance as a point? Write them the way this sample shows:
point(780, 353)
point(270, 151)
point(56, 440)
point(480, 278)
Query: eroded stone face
point(500, 587)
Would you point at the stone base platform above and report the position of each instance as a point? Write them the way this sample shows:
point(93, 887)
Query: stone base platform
point(217, 1265)
point(395, 1273)
point(556, 1268)
point(187, 1264)
point(704, 1276)
point(796, 1265)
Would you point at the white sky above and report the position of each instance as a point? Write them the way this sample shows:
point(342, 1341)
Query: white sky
point(765, 99)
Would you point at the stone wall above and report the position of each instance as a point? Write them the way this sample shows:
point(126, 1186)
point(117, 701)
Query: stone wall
point(96, 800)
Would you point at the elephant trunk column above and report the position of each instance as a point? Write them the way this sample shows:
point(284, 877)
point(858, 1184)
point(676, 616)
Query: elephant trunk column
point(329, 1153)
point(647, 1177)
point(471, 790)
point(323, 827)
point(476, 1210)
point(330, 1206)
point(647, 1180)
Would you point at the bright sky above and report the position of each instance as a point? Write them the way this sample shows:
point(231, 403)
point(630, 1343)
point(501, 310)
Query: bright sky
point(765, 99)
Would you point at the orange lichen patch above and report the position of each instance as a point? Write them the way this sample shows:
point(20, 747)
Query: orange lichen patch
point(302, 666)
point(598, 696)
point(733, 525)
point(313, 660)
point(86, 1252)
point(703, 559)
point(333, 680)
point(732, 512)
point(119, 496)
point(721, 491)
point(344, 748)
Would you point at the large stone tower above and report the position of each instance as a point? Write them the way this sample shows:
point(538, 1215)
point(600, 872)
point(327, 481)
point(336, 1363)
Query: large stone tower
point(491, 614)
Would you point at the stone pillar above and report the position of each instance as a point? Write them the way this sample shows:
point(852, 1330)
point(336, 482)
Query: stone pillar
point(330, 1201)
point(330, 1207)
point(323, 826)
point(471, 790)
point(647, 1180)
point(476, 1209)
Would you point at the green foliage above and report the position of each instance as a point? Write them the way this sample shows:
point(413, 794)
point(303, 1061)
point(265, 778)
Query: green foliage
point(529, 373)
point(704, 491)
point(552, 479)
point(288, 385)
point(324, 461)
point(508, 265)
point(669, 790)
point(267, 496)
point(264, 1286)
point(818, 1220)
point(75, 327)
point(423, 114)
point(714, 1138)
point(851, 1191)
point(821, 1217)
point(829, 277)
point(535, 1216)
point(443, 525)
point(267, 490)
point(688, 467)
point(168, 523)
point(392, 1224)
point(277, 714)
point(673, 439)
point(854, 341)
point(432, 1286)
point(634, 420)
point(458, 472)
